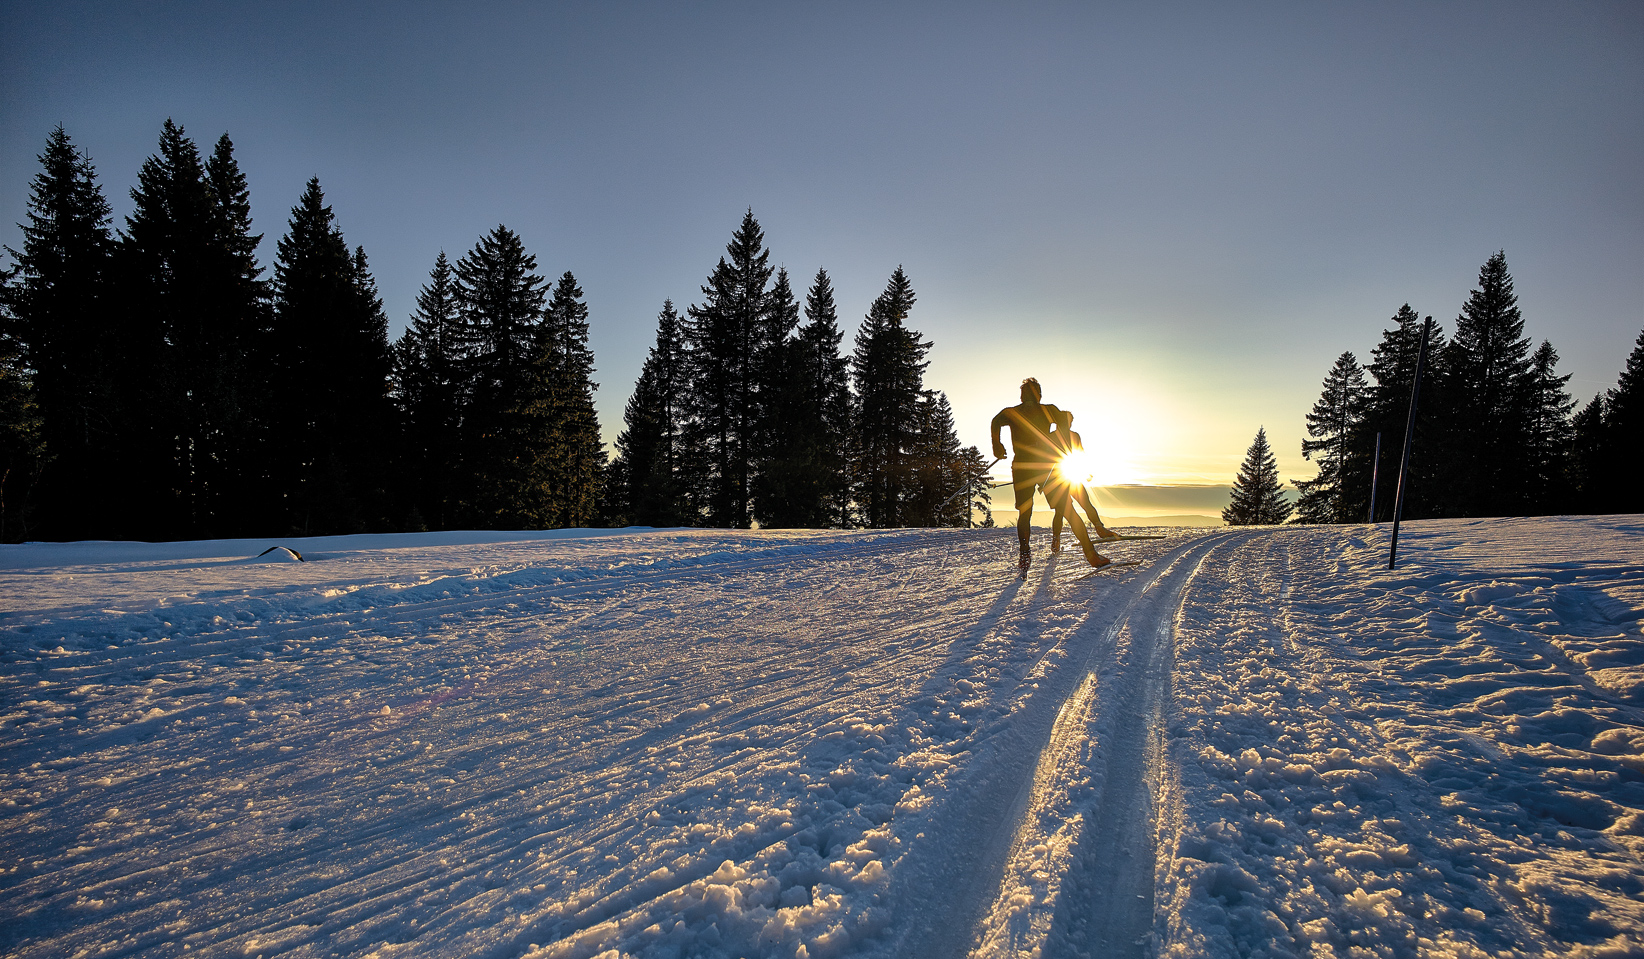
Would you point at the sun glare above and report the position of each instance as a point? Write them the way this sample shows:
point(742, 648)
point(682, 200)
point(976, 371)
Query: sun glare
point(1078, 467)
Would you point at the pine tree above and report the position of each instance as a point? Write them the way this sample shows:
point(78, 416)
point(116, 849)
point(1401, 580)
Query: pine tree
point(1548, 437)
point(501, 298)
point(331, 366)
point(22, 444)
point(1393, 365)
point(1257, 500)
point(888, 367)
point(1624, 436)
point(1339, 492)
point(164, 251)
point(559, 440)
point(806, 483)
point(428, 391)
point(645, 484)
point(242, 398)
point(1589, 467)
point(1489, 362)
point(725, 345)
point(942, 491)
point(61, 327)
point(825, 375)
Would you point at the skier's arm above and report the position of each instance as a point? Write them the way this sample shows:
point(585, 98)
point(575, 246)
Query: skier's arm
point(998, 421)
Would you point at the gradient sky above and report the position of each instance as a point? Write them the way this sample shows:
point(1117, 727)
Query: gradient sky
point(1175, 215)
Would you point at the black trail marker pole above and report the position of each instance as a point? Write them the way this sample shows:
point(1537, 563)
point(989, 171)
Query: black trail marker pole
point(1409, 434)
point(1375, 470)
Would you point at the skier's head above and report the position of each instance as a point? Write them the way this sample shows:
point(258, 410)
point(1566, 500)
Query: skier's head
point(1030, 391)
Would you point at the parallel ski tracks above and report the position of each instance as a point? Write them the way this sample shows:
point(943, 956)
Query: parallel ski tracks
point(1004, 789)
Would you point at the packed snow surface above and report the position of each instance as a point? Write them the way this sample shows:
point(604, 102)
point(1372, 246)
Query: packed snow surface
point(693, 743)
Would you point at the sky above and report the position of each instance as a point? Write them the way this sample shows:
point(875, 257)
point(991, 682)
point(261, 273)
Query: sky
point(1174, 215)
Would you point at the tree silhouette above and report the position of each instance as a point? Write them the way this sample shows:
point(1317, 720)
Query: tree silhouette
point(1338, 493)
point(1257, 500)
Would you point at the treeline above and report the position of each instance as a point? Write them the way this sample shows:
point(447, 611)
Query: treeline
point(156, 384)
point(1497, 433)
point(746, 411)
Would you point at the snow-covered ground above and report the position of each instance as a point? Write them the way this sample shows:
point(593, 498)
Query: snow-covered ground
point(693, 743)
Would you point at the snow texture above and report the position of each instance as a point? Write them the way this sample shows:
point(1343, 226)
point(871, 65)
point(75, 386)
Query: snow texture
point(878, 743)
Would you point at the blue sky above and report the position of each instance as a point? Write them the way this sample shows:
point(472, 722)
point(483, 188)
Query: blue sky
point(1175, 215)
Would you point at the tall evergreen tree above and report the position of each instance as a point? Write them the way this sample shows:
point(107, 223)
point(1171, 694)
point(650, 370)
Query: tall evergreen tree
point(725, 347)
point(429, 364)
point(1257, 498)
point(1338, 494)
point(501, 299)
point(807, 482)
point(1624, 436)
point(331, 367)
point(22, 444)
point(888, 366)
point(1547, 443)
point(944, 476)
point(1589, 459)
point(645, 482)
point(1393, 365)
point(1489, 362)
point(171, 333)
point(558, 429)
point(60, 323)
point(242, 399)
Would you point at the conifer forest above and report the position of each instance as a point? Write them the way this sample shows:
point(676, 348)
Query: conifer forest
point(157, 382)
point(1496, 431)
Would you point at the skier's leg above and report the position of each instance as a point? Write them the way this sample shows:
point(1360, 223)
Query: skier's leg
point(1060, 493)
point(1024, 512)
point(1056, 530)
point(1083, 496)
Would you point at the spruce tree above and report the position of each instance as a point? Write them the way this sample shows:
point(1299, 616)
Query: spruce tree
point(22, 444)
point(825, 374)
point(1339, 492)
point(243, 397)
point(806, 483)
point(888, 367)
point(62, 329)
point(1489, 363)
point(331, 366)
point(428, 390)
point(1548, 437)
point(1622, 461)
point(1588, 459)
point(943, 475)
point(172, 334)
point(1393, 365)
point(1257, 499)
point(725, 347)
point(644, 477)
point(559, 440)
point(787, 476)
point(500, 297)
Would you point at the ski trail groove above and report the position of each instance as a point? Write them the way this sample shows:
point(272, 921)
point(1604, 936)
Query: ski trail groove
point(1108, 907)
point(1044, 737)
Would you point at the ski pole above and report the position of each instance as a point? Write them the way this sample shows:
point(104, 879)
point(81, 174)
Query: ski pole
point(962, 488)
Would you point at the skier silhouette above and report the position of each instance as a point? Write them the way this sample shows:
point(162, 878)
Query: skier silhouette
point(1037, 449)
point(1070, 443)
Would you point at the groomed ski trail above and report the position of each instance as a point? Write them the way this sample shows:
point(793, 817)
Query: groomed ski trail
point(1073, 874)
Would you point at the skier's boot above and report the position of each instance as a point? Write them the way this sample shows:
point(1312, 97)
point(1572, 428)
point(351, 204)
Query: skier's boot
point(1102, 532)
point(1095, 559)
point(1024, 561)
point(1056, 542)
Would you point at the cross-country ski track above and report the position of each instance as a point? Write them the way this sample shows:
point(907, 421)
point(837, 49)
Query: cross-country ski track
point(868, 743)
